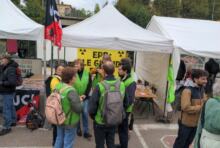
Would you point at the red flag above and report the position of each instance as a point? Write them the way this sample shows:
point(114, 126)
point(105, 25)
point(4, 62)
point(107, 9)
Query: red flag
point(53, 28)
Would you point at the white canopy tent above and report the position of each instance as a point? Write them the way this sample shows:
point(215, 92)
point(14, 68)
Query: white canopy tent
point(16, 25)
point(198, 37)
point(109, 29)
point(190, 36)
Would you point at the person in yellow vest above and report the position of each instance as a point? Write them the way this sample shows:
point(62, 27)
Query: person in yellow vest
point(124, 72)
point(83, 86)
point(50, 85)
point(56, 78)
point(71, 106)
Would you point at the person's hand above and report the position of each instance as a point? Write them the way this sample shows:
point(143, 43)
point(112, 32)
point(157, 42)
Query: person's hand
point(82, 97)
point(99, 71)
point(1, 82)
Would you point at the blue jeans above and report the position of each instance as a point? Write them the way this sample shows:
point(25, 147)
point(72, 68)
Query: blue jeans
point(85, 118)
point(65, 137)
point(9, 113)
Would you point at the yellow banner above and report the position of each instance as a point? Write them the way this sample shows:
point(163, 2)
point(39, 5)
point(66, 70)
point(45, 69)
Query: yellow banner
point(92, 57)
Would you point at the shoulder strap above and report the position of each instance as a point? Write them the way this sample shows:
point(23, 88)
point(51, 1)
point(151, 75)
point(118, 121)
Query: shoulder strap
point(65, 88)
point(202, 123)
point(117, 85)
point(107, 86)
point(56, 76)
point(203, 115)
point(61, 90)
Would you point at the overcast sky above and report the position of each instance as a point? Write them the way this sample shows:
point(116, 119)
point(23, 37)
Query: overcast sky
point(86, 4)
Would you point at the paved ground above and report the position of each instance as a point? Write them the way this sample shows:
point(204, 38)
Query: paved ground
point(146, 134)
point(143, 136)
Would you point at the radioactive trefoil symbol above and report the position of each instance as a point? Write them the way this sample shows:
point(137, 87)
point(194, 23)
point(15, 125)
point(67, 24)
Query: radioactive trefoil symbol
point(82, 51)
point(121, 53)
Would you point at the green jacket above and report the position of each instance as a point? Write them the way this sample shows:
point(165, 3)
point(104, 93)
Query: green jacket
point(71, 104)
point(81, 84)
point(211, 119)
point(96, 80)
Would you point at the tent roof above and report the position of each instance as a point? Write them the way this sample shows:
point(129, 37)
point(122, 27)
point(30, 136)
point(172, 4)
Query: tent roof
point(16, 25)
point(200, 37)
point(110, 29)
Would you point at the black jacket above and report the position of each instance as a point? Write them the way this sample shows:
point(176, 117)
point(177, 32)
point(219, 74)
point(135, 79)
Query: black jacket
point(8, 77)
point(182, 71)
point(212, 67)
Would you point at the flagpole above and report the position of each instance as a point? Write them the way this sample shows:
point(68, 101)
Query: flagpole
point(58, 55)
point(52, 61)
point(45, 63)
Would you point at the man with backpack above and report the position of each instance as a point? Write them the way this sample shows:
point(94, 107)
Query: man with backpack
point(192, 99)
point(124, 71)
point(83, 86)
point(106, 107)
point(8, 82)
point(50, 85)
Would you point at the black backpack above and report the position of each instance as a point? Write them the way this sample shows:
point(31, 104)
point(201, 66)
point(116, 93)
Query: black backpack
point(47, 85)
point(178, 94)
point(19, 79)
point(34, 119)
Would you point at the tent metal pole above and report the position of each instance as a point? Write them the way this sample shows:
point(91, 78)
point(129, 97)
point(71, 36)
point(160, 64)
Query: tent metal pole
point(58, 55)
point(64, 54)
point(135, 60)
point(52, 61)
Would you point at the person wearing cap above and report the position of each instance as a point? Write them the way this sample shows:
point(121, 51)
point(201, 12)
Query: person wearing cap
point(7, 92)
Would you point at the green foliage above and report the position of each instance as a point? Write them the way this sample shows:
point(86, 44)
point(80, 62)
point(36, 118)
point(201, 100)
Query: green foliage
point(195, 9)
point(97, 8)
point(80, 13)
point(214, 9)
point(167, 7)
point(16, 2)
point(35, 10)
point(135, 11)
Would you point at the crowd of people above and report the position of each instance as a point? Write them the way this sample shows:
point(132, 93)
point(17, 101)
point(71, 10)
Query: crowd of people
point(88, 91)
point(100, 95)
point(83, 95)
